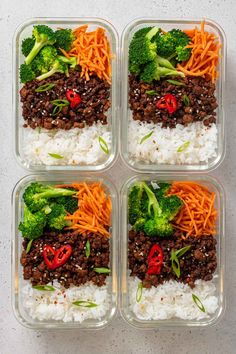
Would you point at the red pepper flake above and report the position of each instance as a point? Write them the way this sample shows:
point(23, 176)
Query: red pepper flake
point(56, 258)
point(73, 97)
point(168, 102)
point(155, 260)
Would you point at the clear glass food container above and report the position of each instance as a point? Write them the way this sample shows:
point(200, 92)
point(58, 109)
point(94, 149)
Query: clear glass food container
point(167, 25)
point(17, 274)
point(24, 31)
point(126, 311)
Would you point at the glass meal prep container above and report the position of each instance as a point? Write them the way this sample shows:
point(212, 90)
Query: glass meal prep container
point(18, 283)
point(32, 161)
point(132, 304)
point(140, 165)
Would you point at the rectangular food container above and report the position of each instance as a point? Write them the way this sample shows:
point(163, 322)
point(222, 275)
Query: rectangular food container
point(126, 311)
point(24, 31)
point(167, 25)
point(17, 277)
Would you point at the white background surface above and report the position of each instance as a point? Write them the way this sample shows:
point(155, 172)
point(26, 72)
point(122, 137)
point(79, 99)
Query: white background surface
point(118, 337)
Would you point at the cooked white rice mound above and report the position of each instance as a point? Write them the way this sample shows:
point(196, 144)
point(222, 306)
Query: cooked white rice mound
point(198, 142)
point(173, 300)
point(77, 146)
point(57, 305)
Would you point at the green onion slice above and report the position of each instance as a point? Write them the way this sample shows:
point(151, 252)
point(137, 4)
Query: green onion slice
point(84, 303)
point(139, 292)
point(198, 303)
point(102, 270)
point(175, 82)
point(56, 110)
point(103, 145)
point(87, 249)
point(55, 156)
point(186, 100)
point(28, 246)
point(175, 255)
point(151, 92)
point(45, 87)
point(44, 287)
point(146, 137)
point(62, 103)
point(184, 146)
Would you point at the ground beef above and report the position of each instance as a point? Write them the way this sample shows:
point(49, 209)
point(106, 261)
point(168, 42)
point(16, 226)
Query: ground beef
point(199, 262)
point(37, 109)
point(77, 270)
point(200, 91)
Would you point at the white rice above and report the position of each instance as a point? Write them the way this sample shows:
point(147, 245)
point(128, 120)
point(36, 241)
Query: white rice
point(77, 146)
point(161, 147)
point(57, 305)
point(173, 300)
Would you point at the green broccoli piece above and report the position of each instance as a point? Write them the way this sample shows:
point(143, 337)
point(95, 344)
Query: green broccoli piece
point(170, 206)
point(43, 36)
point(57, 67)
point(172, 45)
point(36, 195)
point(33, 224)
point(141, 49)
point(69, 203)
point(158, 68)
point(26, 73)
point(64, 39)
point(158, 227)
point(142, 32)
point(56, 219)
point(163, 189)
point(72, 62)
point(27, 45)
point(135, 203)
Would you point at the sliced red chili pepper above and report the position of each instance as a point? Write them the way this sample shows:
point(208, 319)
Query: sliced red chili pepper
point(169, 102)
point(155, 260)
point(60, 256)
point(73, 97)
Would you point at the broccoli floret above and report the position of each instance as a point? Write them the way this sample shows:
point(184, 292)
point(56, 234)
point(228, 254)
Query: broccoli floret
point(142, 32)
point(57, 67)
point(135, 203)
point(69, 203)
point(36, 195)
point(163, 189)
point(64, 39)
point(170, 206)
point(56, 219)
point(141, 49)
point(48, 54)
point(43, 36)
point(156, 69)
point(172, 45)
point(27, 45)
point(72, 62)
point(158, 227)
point(33, 224)
point(26, 73)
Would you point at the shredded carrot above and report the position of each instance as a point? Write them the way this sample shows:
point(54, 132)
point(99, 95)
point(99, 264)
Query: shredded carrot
point(94, 209)
point(198, 216)
point(205, 54)
point(93, 52)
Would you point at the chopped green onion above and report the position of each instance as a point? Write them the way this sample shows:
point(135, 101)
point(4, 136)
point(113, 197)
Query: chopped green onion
point(84, 303)
point(55, 156)
point(45, 87)
point(58, 106)
point(146, 137)
point(56, 110)
point(182, 251)
point(28, 246)
point(139, 292)
point(175, 255)
point(175, 82)
point(87, 249)
point(184, 146)
point(103, 145)
point(44, 287)
point(175, 263)
point(186, 100)
point(151, 92)
point(198, 303)
point(102, 270)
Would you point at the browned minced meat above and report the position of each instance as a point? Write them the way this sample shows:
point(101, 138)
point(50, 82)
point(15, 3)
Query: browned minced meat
point(199, 91)
point(37, 108)
point(77, 270)
point(199, 262)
